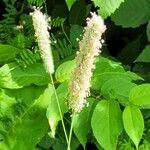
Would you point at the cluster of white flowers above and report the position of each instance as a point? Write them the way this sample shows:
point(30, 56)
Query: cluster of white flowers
point(43, 39)
point(89, 47)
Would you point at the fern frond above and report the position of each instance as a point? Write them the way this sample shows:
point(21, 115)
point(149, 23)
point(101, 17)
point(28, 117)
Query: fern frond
point(57, 22)
point(26, 58)
point(36, 2)
point(63, 48)
point(9, 22)
point(27, 25)
point(11, 12)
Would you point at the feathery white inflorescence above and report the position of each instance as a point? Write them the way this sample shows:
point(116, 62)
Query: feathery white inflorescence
point(89, 47)
point(43, 39)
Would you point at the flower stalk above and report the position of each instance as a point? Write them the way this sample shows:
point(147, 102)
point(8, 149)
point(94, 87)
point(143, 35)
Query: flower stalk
point(43, 39)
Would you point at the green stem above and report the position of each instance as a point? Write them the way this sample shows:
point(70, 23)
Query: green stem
point(70, 134)
point(137, 148)
point(59, 108)
point(45, 7)
point(65, 34)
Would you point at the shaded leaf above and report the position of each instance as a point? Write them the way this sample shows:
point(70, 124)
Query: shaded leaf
point(61, 144)
point(81, 126)
point(148, 31)
point(77, 13)
point(130, 52)
point(75, 33)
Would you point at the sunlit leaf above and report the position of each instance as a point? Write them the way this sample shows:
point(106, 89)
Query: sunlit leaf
point(63, 72)
point(107, 123)
point(22, 117)
point(133, 123)
point(117, 88)
point(144, 56)
point(129, 14)
point(69, 3)
point(107, 7)
point(140, 96)
point(12, 76)
point(53, 113)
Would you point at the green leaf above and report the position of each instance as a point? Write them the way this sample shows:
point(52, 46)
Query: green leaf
point(117, 88)
point(77, 13)
point(107, 69)
point(107, 123)
point(140, 95)
point(129, 14)
point(133, 123)
point(107, 7)
point(69, 3)
point(63, 72)
point(75, 33)
point(130, 52)
point(148, 31)
point(144, 56)
point(7, 53)
point(53, 114)
point(106, 65)
point(81, 126)
point(22, 117)
point(13, 77)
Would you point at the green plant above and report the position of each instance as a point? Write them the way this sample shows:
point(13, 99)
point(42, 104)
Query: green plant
point(33, 102)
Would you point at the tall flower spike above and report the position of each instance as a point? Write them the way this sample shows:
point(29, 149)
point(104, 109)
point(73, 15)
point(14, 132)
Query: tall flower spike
point(43, 39)
point(89, 47)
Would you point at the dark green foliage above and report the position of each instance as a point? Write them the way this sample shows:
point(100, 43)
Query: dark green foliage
point(8, 24)
point(77, 13)
point(36, 2)
point(57, 22)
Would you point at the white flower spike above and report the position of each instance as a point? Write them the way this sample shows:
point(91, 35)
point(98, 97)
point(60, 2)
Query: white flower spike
point(89, 47)
point(43, 39)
